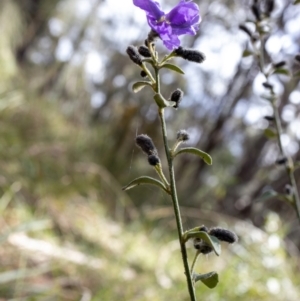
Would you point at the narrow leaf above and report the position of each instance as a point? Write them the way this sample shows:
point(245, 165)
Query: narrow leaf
point(138, 86)
point(172, 67)
point(281, 71)
point(267, 195)
point(212, 241)
point(195, 151)
point(269, 133)
point(210, 279)
point(247, 53)
point(145, 180)
point(162, 102)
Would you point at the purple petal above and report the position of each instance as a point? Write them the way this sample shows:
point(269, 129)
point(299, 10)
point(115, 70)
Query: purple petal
point(151, 7)
point(184, 15)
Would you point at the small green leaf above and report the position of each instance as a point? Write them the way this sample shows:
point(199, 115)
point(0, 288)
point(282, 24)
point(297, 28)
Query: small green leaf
point(211, 240)
point(145, 180)
point(268, 97)
point(297, 74)
point(269, 133)
point(172, 67)
point(247, 52)
point(267, 195)
point(210, 279)
point(297, 2)
point(195, 151)
point(138, 86)
point(283, 71)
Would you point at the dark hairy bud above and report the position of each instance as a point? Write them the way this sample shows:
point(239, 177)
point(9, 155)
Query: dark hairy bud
point(202, 246)
point(279, 64)
point(269, 7)
point(183, 135)
point(268, 85)
point(146, 144)
point(297, 58)
point(223, 235)
point(143, 73)
point(134, 55)
point(152, 37)
point(190, 54)
point(176, 96)
point(281, 161)
point(144, 51)
point(269, 118)
point(256, 11)
point(153, 160)
point(245, 29)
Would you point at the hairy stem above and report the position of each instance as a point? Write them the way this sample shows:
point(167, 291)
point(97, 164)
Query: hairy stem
point(176, 207)
point(290, 165)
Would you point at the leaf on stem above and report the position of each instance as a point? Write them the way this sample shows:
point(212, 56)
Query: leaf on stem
point(269, 133)
point(138, 86)
point(145, 180)
point(162, 102)
point(195, 151)
point(211, 240)
point(172, 67)
point(247, 52)
point(283, 71)
point(209, 279)
point(267, 195)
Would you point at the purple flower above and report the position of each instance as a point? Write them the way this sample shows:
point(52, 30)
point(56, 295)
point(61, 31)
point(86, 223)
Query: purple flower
point(184, 18)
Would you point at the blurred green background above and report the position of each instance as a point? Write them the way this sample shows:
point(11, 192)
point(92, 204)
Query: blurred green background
point(68, 119)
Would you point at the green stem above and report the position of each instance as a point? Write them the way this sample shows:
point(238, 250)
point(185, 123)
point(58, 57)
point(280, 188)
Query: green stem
point(176, 207)
point(194, 262)
point(290, 165)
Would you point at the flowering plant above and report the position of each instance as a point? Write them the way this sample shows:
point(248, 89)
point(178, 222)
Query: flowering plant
point(184, 18)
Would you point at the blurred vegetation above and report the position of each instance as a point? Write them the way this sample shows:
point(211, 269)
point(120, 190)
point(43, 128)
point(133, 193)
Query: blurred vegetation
point(67, 125)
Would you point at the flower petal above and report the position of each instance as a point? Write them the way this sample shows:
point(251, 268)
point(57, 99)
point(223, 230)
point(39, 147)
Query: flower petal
point(184, 17)
point(151, 7)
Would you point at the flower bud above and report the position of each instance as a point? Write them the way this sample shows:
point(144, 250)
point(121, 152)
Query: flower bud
point(269, 7)
point(281, 161)
point(146, 144)
point(202, 246)
point(297, 58)
point(144, 51)
point(279, 64)
point(223, 235)
point(269, 118)
point(143, 73)
point(256, 11)
point(183, 135)
point(288, 189)
point(245, 29)
point(134, 55)
point(176, 96)
point(153, 160)
point(190, 54)
point(268, 85)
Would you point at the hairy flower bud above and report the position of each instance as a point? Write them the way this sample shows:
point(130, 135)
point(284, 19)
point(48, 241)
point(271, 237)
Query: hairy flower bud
point(146, 144)
point(183, 135)
point(176, 96)
point(223, 235)
point(269, 7)
point(268, 85)
point(144, 51)
point(153, 160)
point(143, 73)
point(269, 118)
point(281, 161)
point(134, 55)
point(245, 29)
point(297, 58)
point(190, 54)
point(256, 11)
point(279, 64)
point(202, 246)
